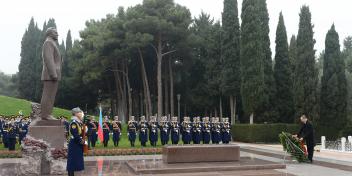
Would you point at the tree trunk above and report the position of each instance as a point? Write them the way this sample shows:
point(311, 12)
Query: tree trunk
point(128, 93)
point(172, 107)
point(166, 90)
point(147, 99)
point(220, 108)
point(159, 81)
point(251, 118)
point(232, 110)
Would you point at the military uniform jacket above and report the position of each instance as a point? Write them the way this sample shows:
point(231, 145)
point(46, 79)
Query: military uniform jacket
point(75, 160)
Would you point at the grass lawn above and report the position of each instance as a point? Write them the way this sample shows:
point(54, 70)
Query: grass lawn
point(11, 106)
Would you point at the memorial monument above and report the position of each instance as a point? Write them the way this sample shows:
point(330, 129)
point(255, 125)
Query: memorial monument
point(46, 135)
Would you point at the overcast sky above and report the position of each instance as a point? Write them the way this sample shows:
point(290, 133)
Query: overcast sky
point(72, 14)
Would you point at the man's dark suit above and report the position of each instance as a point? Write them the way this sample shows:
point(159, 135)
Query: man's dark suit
point(307, 133)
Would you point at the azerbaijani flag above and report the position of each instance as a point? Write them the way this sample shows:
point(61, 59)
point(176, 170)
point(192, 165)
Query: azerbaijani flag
point(100, 127)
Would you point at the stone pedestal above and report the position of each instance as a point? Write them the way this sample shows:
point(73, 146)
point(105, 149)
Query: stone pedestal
point(53, 135)
point(200, 153)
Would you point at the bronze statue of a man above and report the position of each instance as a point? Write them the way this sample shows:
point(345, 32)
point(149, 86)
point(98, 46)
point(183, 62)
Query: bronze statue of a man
point(51, 73)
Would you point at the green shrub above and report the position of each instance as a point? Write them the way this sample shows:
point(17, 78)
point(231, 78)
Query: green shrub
point(261, 133)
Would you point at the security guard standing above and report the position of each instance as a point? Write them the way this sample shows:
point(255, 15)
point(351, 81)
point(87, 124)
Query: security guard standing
point(116, 131)
point(206, 127)
point(75, 160)
point(153, 131)
point(164, 130)
point(132, 129)
point(175, 130)
point(12, 133)
point(225, 131)
point(186, 130)
point(143, 131)
point(106, 131)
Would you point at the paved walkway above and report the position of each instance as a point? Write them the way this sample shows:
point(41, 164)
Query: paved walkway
point(326, 163)
point(343, 158)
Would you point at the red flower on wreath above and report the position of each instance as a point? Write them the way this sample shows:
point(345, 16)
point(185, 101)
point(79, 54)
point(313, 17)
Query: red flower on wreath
point(304, 148)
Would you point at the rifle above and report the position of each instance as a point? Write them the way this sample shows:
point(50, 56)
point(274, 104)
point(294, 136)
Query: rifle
point(84, 136)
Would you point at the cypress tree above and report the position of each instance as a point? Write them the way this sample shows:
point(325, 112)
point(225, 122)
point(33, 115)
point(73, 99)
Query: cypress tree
point(333, 100)
point(268, 109)
point(27, 68)
point(68, 41)
point(231, 77)
point(282, 74)
point(305, 79)
point(292, 54)
point(252, 66)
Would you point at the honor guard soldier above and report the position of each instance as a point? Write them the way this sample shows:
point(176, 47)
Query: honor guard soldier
point(143, 131)
point(5, 126)
point(164, 130)
point(206, 130)
point(11, 134)
point(106, 131)
point(76, 144)
point(175, 130)
point(225, 131)
point(132, 129)
point(1, 127)
point(93, 125)
point(215, 132)
point(87, 121)
point(153, 131)
point(196, 130)
point(67, 126)
point(22, 129)
point(116, 131)
point(186, 130)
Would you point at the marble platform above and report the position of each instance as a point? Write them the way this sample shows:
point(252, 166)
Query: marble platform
point(159, 167)
point(200, 153)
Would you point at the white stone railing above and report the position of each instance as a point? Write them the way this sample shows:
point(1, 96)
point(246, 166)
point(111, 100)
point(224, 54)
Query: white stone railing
point(342, 145)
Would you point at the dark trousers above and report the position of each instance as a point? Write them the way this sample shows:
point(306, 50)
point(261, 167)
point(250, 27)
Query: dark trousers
point(48, 98)
point(310, 150)
point(12, 143)
point(71, 173)
point(105, 143)
point(116, 143)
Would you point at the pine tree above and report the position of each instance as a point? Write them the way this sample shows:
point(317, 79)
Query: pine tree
point(231, 77)
point(305, 79)
point(333, 100)
point(282, 74)
point(252, 63)
point(292, 54)
point(268, 109)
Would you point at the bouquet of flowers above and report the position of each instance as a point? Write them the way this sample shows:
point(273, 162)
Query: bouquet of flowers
point(293, 146)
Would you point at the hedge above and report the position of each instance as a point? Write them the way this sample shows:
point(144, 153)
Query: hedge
point(261, 133)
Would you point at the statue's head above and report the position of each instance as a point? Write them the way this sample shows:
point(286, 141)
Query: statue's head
point(52, 33)
point(174, 119)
